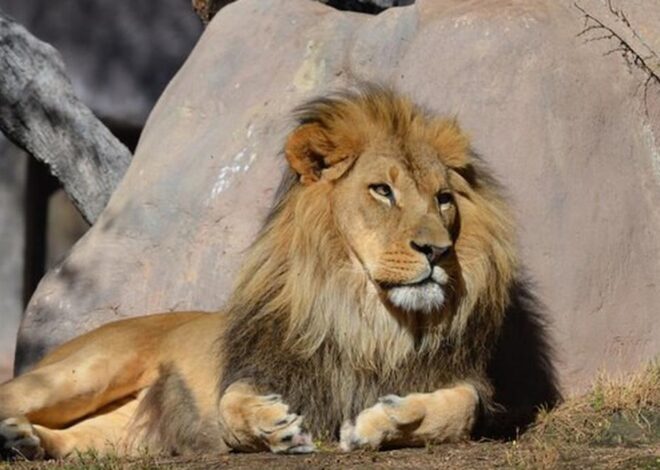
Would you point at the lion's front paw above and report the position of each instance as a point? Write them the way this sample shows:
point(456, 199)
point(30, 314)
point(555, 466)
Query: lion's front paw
point(282, 431)
point(386, 421)
point(258, 422)
point(19, 440)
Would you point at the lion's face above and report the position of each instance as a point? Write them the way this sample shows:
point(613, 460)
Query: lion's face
point(413, 206)
point(396, 210)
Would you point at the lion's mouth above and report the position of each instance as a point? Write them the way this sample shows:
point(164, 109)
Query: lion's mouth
point(425, 296)
point(435, 276)
point(386, 286)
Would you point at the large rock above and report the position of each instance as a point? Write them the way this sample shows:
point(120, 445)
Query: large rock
point(567, 127)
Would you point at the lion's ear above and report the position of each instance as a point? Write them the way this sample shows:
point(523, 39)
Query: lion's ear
point(313, 155)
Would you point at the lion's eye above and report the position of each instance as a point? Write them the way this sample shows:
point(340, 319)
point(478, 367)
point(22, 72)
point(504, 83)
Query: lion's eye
point(445, 198)
point(383, 190)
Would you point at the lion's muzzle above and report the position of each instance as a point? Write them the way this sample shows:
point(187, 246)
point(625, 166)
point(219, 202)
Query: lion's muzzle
point(425, 296)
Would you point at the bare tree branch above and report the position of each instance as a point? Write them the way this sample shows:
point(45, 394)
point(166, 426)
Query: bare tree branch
point(631, 44)
point(40, 113)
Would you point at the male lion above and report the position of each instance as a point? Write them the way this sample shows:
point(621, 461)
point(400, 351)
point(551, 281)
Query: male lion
point(367, 310)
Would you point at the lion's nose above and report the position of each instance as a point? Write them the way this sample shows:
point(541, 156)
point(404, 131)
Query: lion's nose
point(433, 253)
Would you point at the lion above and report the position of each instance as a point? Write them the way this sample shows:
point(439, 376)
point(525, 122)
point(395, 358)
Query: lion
point(366, 310)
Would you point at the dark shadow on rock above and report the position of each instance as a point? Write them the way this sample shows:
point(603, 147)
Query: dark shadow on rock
point(522, 369)
point(28, 352)
point(362, 6)
point(34, 341)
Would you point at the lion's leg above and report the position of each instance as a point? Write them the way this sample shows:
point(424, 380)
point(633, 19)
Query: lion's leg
point(57, 394)
point(256, 422)
point(90, 371)
point(445, 415)
point(103, 433)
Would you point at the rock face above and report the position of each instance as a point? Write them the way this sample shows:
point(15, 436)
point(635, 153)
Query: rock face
point(571, 131)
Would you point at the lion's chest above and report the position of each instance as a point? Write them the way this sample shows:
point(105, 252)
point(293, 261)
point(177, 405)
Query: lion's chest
point(327, 389)
point(331, 384)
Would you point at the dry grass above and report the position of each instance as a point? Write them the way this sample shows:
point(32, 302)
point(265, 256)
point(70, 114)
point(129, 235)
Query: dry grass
point(615, 414)
point(615, 425)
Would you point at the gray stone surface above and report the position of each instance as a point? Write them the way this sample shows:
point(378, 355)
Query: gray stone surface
point(13, 165)
point(567, 127)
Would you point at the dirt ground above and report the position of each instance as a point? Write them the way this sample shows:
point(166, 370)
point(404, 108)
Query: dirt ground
point(473, 455)
point(464, 456)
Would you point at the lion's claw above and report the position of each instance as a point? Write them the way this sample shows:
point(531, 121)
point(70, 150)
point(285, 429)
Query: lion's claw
point(290, 437)
point(299, 442)
point(391, 400)
point(280, 430)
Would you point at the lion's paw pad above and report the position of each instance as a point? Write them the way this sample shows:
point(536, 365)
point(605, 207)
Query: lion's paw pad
point(18, 440)
point(287, 436)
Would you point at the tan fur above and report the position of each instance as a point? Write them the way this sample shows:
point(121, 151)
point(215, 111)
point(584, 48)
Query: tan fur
point(316, 324)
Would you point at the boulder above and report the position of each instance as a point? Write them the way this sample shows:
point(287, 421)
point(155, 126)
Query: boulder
point(572, 130)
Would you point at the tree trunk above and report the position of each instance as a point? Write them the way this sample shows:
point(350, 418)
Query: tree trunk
point(40, 113)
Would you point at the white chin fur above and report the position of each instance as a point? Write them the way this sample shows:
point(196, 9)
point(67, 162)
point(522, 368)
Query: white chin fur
point(424, 298)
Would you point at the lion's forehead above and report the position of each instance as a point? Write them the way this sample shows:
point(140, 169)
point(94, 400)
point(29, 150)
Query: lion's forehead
point(416, 166)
